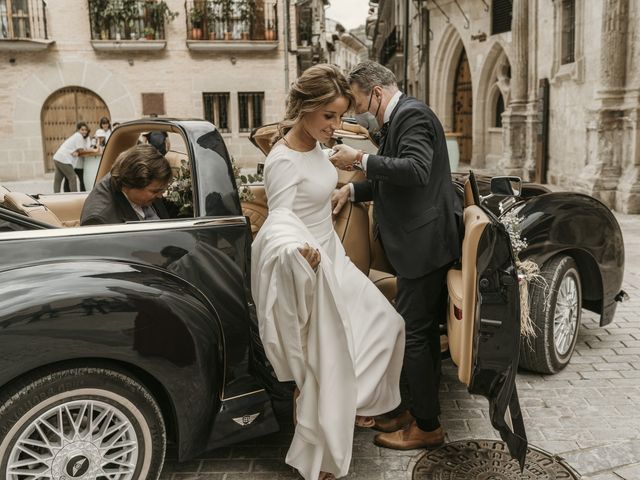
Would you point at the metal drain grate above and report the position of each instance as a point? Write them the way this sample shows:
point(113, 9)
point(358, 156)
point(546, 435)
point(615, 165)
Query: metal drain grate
point(488, 460)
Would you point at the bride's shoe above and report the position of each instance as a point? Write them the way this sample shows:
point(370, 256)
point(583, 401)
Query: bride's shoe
point(364, 422)
point(326, 476)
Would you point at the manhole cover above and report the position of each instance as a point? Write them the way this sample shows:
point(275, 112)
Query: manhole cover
point(488, 460)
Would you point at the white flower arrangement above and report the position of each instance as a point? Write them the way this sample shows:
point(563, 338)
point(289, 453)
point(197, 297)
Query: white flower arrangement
point(528, 270)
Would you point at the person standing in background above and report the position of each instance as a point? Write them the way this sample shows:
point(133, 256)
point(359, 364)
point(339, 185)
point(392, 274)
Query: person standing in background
point(65, 160)
point(104, 132)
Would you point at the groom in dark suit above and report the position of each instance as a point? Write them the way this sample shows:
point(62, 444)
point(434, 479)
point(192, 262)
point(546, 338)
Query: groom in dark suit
point(416, 209)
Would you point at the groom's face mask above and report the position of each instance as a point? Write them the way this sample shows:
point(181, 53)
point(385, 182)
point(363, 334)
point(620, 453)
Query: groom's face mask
point(367, 119)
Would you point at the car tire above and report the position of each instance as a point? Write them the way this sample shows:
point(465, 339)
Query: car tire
point(556, 311)
point(81, 423)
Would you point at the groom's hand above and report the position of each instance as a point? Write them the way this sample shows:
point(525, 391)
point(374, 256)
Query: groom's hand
point(339, 198)
point(343, 157)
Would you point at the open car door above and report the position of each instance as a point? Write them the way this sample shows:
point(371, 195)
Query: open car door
point(483, 320)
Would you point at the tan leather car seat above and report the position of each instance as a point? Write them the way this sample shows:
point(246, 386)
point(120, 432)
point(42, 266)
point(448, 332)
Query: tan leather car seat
point(67, 207)
point(29, 206)
point(256, 210)
point(461, 283)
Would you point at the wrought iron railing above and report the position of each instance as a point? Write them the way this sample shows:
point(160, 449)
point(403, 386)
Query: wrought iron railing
point(231, 19)
point(129, 19)
point(23, 20)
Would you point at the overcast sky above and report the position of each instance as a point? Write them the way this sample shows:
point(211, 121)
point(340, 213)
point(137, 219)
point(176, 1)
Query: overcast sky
point(350, 13)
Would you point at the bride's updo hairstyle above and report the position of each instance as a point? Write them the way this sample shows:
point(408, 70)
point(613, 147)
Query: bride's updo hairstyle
point(317, 86)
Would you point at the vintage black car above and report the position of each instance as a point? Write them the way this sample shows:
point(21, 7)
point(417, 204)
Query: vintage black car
point(117, 338)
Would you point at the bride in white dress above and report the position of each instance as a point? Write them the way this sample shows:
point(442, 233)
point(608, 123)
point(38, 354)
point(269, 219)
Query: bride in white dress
point(322, 322)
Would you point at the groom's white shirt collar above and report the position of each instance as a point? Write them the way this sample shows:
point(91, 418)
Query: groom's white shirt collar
point(391, 106)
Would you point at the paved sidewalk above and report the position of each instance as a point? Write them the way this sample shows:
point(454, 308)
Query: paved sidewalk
point(589, 413)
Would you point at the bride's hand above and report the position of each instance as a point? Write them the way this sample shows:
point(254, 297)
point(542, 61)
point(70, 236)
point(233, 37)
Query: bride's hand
point(339, 198)
point(311, 255)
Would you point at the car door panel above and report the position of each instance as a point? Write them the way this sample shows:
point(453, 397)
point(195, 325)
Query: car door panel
point(483, 321)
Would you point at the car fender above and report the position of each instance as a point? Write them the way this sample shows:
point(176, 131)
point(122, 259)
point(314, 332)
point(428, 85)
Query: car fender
point(128, 313)
point(583, 227)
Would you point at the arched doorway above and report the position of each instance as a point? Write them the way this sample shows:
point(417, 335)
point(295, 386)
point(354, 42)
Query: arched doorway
point(60, 113)
point(463, 108)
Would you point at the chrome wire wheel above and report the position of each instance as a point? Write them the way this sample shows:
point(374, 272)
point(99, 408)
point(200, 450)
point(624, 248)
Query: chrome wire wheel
point(566, 315)
point(82, 439)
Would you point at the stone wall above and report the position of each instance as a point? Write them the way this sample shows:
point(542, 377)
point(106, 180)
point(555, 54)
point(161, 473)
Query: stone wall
point(27, 79)
point(594, 145)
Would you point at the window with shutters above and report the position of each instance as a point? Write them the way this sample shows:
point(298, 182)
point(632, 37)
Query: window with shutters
point(250, 106)
point(568, 31)
point(216, 110)
point(501, 14)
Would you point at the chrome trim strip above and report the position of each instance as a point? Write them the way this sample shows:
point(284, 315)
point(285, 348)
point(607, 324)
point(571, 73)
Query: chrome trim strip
point(242, 395)
point(123, 228)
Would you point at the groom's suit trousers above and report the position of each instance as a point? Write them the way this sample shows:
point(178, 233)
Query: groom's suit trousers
point(422, 302)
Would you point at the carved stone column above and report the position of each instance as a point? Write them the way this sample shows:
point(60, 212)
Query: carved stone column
point(606, 126)
point(515, 119)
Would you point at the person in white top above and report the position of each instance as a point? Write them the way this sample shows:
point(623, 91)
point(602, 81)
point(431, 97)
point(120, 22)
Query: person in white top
point(66, 157)
point(323, 323)
point(104, 132)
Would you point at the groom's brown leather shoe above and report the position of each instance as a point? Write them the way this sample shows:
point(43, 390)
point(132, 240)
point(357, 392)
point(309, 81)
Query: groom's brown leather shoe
point(386, 424)
point(410, 438)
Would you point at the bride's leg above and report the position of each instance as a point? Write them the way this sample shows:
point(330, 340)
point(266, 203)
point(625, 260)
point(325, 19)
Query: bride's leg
point(296, 394)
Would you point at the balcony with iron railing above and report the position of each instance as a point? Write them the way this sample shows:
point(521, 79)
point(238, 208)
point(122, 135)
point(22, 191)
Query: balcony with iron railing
point(393, 47)
point(23, 25)
point(232, 25)
point(129, 24)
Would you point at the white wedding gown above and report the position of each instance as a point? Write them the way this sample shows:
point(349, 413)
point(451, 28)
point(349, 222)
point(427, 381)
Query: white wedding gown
point(331, 331)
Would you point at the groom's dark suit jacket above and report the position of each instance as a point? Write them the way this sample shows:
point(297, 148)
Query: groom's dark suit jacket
point(409, 181)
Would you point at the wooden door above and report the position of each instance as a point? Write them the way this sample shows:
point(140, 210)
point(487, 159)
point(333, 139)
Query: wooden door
point(463, 108)
point(60, 113)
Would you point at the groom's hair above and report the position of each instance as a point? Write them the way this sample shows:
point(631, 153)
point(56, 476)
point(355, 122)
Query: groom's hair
point(370, 74)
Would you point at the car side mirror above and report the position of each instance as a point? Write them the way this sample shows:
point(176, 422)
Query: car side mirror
point(506, 186)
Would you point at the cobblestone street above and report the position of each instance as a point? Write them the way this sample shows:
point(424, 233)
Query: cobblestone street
point(588, 414)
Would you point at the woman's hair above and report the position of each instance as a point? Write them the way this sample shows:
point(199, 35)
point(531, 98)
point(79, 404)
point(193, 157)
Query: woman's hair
point(104, 120)
point(317, 86)
point(138, 166)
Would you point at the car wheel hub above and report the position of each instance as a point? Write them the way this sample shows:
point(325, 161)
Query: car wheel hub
point(566, 315)
point(84, 439)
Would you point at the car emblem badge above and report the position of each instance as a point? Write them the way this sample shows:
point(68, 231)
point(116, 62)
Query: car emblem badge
point(246, 419)
point(77, 466)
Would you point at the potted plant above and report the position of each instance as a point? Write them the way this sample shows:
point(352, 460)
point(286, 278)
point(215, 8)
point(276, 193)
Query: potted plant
point(270, 32)
point(246, 11)
point(197, 14)
point(99, 21)
point(225, 9)
point(159, 13)
point(121, 15)
point(149, 33)
point(213, 18)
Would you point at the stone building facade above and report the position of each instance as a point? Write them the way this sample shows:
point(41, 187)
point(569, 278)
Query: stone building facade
point(545, 89)
point(345, 49)
point(55, 67)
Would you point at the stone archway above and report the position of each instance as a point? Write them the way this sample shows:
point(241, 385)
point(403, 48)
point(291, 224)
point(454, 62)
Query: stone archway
point(60, 113)
point(494, 81)
point(37, 88)
point(447, 56)
point(463, 108)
